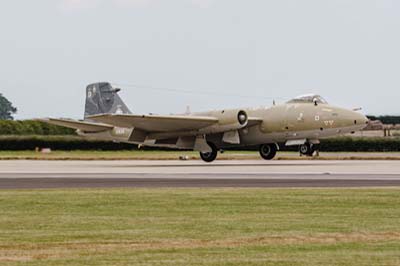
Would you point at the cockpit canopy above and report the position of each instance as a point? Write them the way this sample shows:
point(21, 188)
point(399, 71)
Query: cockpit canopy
point(308, 98)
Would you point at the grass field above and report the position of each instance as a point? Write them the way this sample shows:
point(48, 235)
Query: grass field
point(191, 155)
point(97, 155)
point(200, 227)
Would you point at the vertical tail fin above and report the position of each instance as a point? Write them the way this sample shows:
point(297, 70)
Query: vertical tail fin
point(102, 98)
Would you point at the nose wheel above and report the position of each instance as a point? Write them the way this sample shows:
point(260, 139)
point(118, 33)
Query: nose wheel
point(268, 151)
point(307, 149)
point(209, 156)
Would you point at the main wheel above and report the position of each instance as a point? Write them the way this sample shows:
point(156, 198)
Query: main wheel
point(268, 151)
point(307, 149)
point(209, 156)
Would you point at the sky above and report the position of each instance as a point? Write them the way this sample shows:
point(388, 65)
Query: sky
point(206, 54)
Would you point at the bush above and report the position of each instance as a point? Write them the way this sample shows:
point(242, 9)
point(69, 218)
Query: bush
point(30, 127)
point(68, 143)
point(361, 144)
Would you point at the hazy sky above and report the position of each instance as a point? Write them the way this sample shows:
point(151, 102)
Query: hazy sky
point(348, 51)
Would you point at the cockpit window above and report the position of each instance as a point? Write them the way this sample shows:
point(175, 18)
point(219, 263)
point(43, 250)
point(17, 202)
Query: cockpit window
point(309, 98)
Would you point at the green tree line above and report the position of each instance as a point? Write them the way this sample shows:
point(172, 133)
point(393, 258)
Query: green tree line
point(68, 143)
point(386, 119)
point(30, 127)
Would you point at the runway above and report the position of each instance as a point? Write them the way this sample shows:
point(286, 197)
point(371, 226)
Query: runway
point(161, 174)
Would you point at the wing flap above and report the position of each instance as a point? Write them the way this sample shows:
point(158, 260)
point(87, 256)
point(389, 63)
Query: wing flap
point(156, 123)
point(75, 124)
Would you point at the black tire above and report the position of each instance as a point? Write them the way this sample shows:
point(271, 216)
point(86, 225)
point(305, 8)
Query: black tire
point(268, 151)
point(209, 157)
point(307, 149)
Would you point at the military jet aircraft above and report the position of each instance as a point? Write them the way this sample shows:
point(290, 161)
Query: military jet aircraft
point(302, 122)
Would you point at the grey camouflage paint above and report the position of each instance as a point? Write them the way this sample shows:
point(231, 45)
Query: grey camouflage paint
point(102, 98)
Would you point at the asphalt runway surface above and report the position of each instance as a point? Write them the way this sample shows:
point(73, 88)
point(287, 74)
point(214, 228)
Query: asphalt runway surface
point(161, 174)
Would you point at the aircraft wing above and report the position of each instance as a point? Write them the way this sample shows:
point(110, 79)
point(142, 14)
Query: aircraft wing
point(156, 123)
point(75, 124)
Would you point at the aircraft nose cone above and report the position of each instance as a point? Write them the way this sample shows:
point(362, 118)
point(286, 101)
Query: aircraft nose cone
point(360, 119)
point(365, 119)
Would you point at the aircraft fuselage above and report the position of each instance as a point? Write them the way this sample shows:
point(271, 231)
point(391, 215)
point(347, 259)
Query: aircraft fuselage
point(280, 124)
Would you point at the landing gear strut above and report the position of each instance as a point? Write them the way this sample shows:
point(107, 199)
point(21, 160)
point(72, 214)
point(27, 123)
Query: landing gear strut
point(268, 151)
point(307, 149)
point(209, 156)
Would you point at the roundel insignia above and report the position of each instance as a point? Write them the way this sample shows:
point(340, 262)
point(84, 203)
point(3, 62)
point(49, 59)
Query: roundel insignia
point(91, 92)
point(317, 118)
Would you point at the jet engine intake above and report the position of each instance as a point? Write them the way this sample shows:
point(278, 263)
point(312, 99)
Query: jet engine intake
point(242, 117)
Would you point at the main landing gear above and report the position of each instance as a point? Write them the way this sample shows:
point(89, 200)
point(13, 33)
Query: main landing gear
point(268, 151)
point(308, 149)
point(209, 156)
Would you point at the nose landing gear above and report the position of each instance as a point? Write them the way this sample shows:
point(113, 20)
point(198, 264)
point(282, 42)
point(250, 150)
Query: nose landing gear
point(307, 149)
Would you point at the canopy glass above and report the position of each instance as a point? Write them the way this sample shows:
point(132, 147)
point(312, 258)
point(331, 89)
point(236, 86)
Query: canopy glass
point(308, 98)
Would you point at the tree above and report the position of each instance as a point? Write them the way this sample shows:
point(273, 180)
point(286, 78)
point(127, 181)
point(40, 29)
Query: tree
point(6, 109)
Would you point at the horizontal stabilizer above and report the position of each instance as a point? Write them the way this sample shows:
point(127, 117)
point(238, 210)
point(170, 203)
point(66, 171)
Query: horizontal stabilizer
point(81, 125)
point(156, 123)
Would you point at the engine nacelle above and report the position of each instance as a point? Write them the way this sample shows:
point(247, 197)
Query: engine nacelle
point(228, 120)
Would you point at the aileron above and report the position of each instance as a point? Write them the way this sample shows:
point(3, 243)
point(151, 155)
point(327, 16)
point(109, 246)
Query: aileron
point(76, 124)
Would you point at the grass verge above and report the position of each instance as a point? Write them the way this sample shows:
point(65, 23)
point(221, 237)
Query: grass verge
point(200, 227)
point(191, 155)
